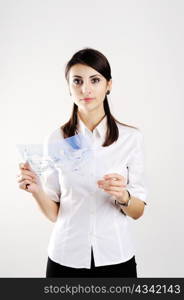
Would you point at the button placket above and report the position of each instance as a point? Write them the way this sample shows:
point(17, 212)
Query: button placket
point(94, 187)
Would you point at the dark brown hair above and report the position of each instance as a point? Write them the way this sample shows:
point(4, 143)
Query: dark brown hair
point(96, 60)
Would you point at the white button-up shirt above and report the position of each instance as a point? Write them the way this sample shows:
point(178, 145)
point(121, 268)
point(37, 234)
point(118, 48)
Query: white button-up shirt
point(88, 216)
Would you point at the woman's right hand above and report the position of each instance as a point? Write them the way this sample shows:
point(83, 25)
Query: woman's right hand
point(28, 180)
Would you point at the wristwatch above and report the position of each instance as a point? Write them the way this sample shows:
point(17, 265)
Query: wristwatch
point(127, 203)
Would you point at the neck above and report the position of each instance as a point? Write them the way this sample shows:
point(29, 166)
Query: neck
point(91, 119)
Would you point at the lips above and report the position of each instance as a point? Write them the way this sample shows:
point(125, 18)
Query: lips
point(88, 99)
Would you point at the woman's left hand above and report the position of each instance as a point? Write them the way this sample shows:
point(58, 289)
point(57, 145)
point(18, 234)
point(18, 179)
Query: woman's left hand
point(114, 184)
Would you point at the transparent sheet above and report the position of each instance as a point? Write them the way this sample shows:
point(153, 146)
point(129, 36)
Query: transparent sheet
point(71, 155)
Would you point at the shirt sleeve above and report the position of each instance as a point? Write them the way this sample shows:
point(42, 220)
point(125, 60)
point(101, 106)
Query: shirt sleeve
point(137, 184)
point(50, 179)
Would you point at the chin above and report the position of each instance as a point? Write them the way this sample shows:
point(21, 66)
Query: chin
point(87, 105)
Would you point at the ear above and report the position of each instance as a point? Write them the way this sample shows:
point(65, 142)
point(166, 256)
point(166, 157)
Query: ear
point(109, 85)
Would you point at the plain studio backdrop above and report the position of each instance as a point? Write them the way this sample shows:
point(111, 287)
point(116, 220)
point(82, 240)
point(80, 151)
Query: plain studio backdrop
point(143, 41)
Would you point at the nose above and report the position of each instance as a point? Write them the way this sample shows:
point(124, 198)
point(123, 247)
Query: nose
point(86, 88)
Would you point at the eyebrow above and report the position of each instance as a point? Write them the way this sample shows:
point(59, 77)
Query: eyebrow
point(89, 76)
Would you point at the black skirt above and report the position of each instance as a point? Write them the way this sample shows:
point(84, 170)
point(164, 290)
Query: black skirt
point(123, 270)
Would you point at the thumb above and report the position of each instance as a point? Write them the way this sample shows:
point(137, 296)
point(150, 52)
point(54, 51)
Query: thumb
point(26, 165)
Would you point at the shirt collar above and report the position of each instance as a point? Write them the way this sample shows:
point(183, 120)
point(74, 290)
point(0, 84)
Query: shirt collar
point(101, 128)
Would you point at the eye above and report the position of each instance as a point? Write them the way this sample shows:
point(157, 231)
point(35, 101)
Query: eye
point(96, 80)
point(76, 81)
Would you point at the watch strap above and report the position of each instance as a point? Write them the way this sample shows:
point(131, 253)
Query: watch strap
point(127, 203)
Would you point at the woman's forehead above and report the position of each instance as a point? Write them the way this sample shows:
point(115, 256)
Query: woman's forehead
point(83, 71)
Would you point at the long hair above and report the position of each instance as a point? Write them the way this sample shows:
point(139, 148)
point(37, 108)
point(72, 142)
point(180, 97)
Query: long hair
point(96, 60)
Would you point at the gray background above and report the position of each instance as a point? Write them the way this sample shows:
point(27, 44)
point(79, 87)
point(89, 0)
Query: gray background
point(143, 41)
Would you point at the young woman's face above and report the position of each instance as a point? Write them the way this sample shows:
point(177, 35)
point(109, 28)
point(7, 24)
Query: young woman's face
point(88, 87)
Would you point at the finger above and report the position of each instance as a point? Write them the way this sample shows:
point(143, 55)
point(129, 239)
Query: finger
point(25, 165)
point(115, 189)
point(114, 183)
point(24, 183)
point(30, 173)
point(109, 183)
point(113, 175)
point(22, 165)
point(115, 180)
point(23, 177)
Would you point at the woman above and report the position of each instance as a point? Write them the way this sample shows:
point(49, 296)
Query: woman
point(91, 236)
